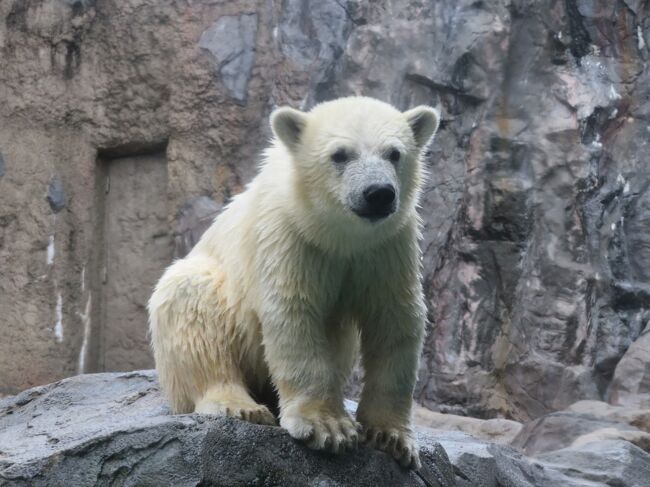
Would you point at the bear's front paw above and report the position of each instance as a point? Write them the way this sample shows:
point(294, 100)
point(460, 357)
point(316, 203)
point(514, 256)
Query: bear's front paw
point(395, 442)
point(322, 430)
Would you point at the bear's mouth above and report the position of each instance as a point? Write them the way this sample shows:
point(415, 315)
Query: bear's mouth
point(374, 216)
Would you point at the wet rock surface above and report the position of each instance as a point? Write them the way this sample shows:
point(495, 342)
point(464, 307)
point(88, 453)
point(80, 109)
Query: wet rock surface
point(116, 428)
point(107, 429)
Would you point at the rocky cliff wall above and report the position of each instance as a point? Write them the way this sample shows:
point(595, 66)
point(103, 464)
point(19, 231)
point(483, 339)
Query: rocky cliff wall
point(537, 210)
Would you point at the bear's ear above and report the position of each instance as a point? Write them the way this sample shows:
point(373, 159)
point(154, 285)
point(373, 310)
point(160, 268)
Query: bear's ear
point(288, 125)
point(424, 122)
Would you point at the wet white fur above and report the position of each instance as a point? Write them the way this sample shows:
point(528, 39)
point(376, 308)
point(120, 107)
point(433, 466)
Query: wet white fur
point(288, 282)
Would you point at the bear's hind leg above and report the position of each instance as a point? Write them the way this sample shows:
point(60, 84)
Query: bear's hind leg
point(233, 400)
point(202, 343)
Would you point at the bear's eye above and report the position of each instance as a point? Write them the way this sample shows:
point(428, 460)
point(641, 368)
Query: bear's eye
point(340, 156)
point(394, 155)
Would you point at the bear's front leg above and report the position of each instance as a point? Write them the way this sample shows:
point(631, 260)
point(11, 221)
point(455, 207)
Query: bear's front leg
point(302, 356)
point(309, 385)
point(390, 346)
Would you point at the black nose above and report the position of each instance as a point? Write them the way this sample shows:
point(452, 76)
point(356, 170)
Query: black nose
point(380, 198)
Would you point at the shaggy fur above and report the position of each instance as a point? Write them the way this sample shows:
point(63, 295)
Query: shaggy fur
point(289, 283)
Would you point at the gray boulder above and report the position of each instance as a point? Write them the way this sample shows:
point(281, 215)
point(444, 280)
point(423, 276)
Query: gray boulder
point(115, 429)
point(600, 463)
point(478, 463)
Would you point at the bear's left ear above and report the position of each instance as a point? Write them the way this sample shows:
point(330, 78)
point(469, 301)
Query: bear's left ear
point(288, 125)
point(424, 122)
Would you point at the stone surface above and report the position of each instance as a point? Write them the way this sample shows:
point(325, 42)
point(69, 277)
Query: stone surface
point(602, 463)
point(639, 418)
point(533, 287)
point(631, 383)
point(479, 463)
point(559, 430)
point(501, 431)
point(115, 429)
point(105, 429)
point(84, 83)
point(638, 438)
point(137, 245)
point(599, 464)
point(194, 218)
point(2, 165)
point(56, 195)
point(536, 213)
point(231, 40)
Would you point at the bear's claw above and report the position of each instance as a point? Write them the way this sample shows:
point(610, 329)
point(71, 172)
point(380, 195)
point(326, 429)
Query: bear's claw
point(327, 432)
point(397, 443)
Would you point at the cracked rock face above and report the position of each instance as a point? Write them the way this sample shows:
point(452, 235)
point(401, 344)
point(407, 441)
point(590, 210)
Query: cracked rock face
point(536, 212)
point(535, 223)
point(231, 40)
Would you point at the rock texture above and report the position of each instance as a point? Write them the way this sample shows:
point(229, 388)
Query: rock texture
point(497, 430)
point(631, 383)
point(231, 40)
point(559, 430)
point(537, 211)
point(110, 429)
point(639, 418)
point(115, 429)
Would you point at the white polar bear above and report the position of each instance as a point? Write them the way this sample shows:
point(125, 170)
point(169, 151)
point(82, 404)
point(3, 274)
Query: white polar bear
point(317, 256)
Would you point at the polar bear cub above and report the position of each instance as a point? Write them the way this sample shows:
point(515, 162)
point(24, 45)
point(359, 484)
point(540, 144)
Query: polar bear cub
point(316, 260)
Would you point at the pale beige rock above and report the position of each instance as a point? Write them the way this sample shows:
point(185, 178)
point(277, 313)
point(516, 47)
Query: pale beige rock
point(640, 418)
point(638, 438)
point(497, 430)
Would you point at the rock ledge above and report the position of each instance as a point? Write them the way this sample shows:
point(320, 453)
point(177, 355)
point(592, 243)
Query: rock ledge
point(115, 429)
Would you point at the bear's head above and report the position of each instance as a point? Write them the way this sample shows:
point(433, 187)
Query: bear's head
point(357, 164)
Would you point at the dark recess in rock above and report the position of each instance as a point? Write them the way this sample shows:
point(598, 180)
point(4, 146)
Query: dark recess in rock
point(72, 58)
point(2, 165)
point(16, 19)
point(580, 39)
point(132, 149)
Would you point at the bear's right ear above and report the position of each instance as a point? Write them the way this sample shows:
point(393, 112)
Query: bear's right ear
point(288, 125)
